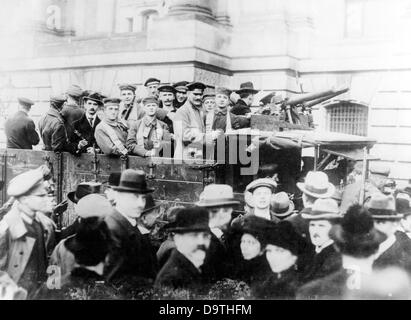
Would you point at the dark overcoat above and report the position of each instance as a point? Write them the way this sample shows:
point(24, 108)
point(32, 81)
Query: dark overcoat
point(86, 130)
point(21, 131)
point(240, 108)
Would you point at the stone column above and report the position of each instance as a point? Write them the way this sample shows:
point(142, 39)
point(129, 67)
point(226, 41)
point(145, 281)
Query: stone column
point(197, 7)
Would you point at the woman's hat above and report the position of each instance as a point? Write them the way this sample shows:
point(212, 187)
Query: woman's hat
point(382, 206)
point(323, 209)
point(281, 205)
point(217, 195)
point(316, 185)
point(256, 226)
point(83, 189)
point(193, 219)
point(284, 235)
point(133, 181)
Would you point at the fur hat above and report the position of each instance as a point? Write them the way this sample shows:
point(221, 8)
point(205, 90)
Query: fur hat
point(284, 235)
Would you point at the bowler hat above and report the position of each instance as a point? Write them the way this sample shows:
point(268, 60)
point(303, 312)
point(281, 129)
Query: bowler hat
point(189, 220)
point(151, 81)
point(166, 88)
point(402, 204)
point(262, 182)
point(323, 209)
point(316, 185)
point(196, 85)
point(151, 204)
point(181, 86)
point(133, 181)
point(125, 86)
point(281, 204)
point(217, 195)
point(94, 96)
point(247, 87)
point(284, 235)
point(93, 206)
point(150, 99)
point(382, 206)
point(83, 189)
point(25, 101)
point(75, 91)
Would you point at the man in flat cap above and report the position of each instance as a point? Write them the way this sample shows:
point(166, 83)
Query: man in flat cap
point(147, 136)
point(85, 127)
point(166, 98)
point(72, 111)
point(20, 129)
point(189, 126)
point(26, 233)
point(262, 191)
point(152, 85)
point(247, 93)
point(111, 134)
point(53, 131)
point(130, 109)
point(180, 94)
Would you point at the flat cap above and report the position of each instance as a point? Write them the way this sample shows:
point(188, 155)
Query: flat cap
point(263, 182)
point(125, 86)
point(380, 169)
point(75, 91)
point(181, 86)
point(58, 99)
point(93, 206)
point(25, 101)
point(209, 93)
point(222, 90)
point(111, 101)
point(166, 88)
point(196, 85)
point(150, 81)
point(26, 182)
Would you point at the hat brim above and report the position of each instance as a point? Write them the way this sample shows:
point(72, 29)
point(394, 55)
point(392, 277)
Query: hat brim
point(199, 228)
point(267, 185)
point(328, 194)
point(321, 216)
point(381, 214)
point(133, 190)
point(211, 204)
point(95, 100)
point(291, 208)
point(252, 91)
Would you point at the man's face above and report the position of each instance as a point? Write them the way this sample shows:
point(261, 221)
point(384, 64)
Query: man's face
point(279, 259)
point(110, 195)
point(195, 97)
point(193, 245)
point(262, 197)
point(386, 227)
point(209, 105)
point(151, 109)
point(111, 112)
point(41, 201)
point(167, 98)
point(222, 101)
point(249, 100)
point(131, 204)
point(220, 217)
point(91, 107)
point(181, 96)
point(127, 96)
point(319, 232)
point(250, 246)
point(152, 89)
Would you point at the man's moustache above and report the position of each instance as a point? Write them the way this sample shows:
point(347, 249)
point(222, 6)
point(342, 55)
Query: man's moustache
point(202, 247)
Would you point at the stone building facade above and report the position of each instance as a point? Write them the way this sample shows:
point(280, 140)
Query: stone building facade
point(285, 46)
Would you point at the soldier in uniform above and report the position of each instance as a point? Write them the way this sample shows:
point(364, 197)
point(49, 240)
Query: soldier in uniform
point(26, 233)
point(180, 94)
point(53, 130)
point(111, 134)
point(147, 136)
point(246, 92)
point(130, 109)
point(20, 128)
point(72, 111)
point(152, 85)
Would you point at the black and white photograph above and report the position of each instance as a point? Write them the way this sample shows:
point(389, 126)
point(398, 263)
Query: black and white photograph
point(205, 150)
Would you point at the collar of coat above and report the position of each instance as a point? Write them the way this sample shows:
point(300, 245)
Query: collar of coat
point(222, 113)
point(54, 113)
point(149, 122)
point(15, 222)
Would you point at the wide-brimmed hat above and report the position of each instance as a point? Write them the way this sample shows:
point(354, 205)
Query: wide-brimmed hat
point(133, 181)
point(316, 185)
point(83, 189)
point(94, 96)
point(284, 235)
point(217, 195)
point(382, 206)
point(247, 87)
point(151, 204)
point(402, 204)
point(281, 204)
point(93, 206)
point(189, 220)
point(356, 232)
point(262, 182)
point(323, 209)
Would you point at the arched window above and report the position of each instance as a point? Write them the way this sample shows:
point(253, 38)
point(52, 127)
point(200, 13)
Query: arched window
point(347, 117)
point(146, 18)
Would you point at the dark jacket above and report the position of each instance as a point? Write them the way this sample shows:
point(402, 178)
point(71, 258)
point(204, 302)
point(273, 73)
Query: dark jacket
point(54, 133)
point(83, 127)
point(282, 285)
point(237, 122)
point(71, 114)
point(179, 273)
point(21, 131)
point(323, 264)
point(240, 108)
point(252, 271)
point(132, 253)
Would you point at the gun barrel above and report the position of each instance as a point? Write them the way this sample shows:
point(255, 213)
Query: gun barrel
point(320, 100)
point(312, 96)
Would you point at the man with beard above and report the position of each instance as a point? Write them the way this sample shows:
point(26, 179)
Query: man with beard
point(26, 233)
point(151, 85)
point(219, 200)
point(322, 217)
point(85, 127)
point(130, 110)
point(166, 97)
point(192, 240)
point(130, 255)
point(180, 94)
point(72, 111)
point(247, 93)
